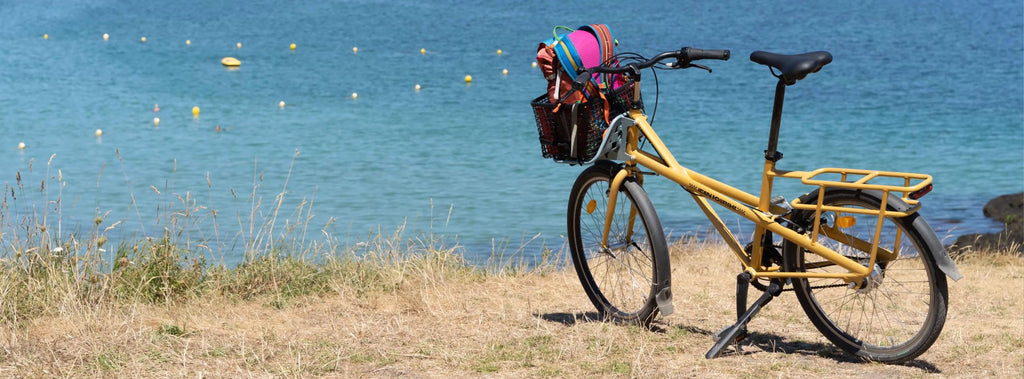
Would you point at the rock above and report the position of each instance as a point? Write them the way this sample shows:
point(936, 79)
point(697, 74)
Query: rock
point(1008, 209)
point(1009, 240)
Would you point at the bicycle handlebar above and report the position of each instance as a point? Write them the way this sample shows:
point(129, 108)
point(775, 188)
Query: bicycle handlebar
point(683, 58)
point(698, 54)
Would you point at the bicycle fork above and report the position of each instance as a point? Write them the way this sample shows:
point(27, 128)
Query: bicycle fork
point(613, 196)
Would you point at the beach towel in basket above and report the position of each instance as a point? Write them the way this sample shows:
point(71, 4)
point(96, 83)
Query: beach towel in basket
point(571, 123)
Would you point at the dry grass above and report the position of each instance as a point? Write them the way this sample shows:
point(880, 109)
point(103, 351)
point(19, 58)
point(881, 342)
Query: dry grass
point(437, 317)
point(397, 305)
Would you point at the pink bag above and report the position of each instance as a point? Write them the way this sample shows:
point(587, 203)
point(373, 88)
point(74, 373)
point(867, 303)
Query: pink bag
point(561, 58)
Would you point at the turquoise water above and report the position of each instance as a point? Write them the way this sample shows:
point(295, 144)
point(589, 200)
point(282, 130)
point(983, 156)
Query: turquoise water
point(932, 87)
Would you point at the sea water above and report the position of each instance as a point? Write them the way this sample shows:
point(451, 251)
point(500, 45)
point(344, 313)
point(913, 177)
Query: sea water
point(357, 151)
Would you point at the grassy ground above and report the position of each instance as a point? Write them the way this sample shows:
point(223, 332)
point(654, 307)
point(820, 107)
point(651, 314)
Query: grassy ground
point(73, 304)
point(426, 314)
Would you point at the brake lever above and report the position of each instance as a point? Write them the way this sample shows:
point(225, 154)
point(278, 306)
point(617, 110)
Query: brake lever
point(681, 65)
point(700, 66)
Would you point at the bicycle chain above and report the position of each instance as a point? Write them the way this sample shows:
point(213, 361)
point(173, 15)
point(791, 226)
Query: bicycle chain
point(790, 288)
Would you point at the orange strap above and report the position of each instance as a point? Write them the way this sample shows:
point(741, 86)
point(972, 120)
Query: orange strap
point(605, 100)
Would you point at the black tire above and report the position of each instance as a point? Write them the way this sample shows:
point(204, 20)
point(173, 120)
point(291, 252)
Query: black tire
point(622, 280)
point(901, 312)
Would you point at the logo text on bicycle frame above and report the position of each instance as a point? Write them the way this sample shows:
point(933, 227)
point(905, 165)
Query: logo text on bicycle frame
point(702, 192)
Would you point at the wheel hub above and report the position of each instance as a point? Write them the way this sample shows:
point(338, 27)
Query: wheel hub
point(872, 281)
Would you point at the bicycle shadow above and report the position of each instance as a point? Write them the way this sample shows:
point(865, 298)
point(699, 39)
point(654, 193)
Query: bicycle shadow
point(771, 343)
point(570, 319)
point(755, 342)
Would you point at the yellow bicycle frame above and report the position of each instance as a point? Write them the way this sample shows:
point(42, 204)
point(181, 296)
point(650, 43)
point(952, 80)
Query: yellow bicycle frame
point(759, 209)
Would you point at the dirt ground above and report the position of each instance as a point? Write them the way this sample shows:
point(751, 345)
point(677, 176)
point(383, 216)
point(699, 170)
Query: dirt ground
point(537, 324)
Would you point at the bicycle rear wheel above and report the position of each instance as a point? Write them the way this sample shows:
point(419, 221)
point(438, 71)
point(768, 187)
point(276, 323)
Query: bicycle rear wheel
point(899, 311)
point(622, 278)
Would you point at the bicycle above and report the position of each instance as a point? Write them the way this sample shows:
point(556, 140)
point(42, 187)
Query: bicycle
point(866, 268)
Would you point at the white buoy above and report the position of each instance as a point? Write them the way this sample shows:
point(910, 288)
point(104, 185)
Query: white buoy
point(143, 39)
point(21, 146)
point(239, 45)
point(355, 49)
point(354, 95)
point(106, 36)
point(188, 42)
point(281, 104)
point(99, 132)
point(504, 71)
point(156, 121)
point(417, 87)
point(534, 65)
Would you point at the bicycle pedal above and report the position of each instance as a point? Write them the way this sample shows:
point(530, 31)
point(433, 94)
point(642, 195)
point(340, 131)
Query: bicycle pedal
point(735, 337)
point(739, 336)
point(718, 335)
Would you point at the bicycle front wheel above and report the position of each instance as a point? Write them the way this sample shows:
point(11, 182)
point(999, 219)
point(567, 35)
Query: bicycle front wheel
point(896, 313)
point(622, 277)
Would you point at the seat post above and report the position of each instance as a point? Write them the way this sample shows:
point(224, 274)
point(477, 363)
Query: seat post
point(772, 153)
point(771, 156)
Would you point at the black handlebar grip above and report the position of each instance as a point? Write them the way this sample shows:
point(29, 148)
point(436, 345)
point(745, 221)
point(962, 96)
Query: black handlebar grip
point(698, 54)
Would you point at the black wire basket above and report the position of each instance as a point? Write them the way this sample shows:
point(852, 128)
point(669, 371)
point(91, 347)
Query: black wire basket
point(573, 132)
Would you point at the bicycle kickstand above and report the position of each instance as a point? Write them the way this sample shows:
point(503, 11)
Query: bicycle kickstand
point(737, 332)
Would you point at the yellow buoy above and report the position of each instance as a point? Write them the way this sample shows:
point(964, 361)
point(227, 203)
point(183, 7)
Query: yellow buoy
point(355, 49)
point(230, 62)
point(46, 36)
point(239, 45)
point(281, 104)
point(143, 39)
point(504, 71)
point(156, 121)
point(99, 132)
point(188, 42)
point(423, 51)
point(417, 87)
point(21, 146)
point(499, 51)
point(195, 111)
point(469, 78)
point(354, 95)
point(292, 46)
point(106, 36)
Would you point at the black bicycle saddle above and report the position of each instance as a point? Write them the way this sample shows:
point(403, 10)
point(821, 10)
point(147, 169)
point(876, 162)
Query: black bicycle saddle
point(793, 67)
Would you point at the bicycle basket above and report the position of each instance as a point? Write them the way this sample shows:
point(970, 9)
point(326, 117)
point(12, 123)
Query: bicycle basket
point(620, 100)
point(573, 134)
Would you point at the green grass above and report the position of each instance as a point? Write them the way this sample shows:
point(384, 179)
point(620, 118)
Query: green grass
point(49, 270)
